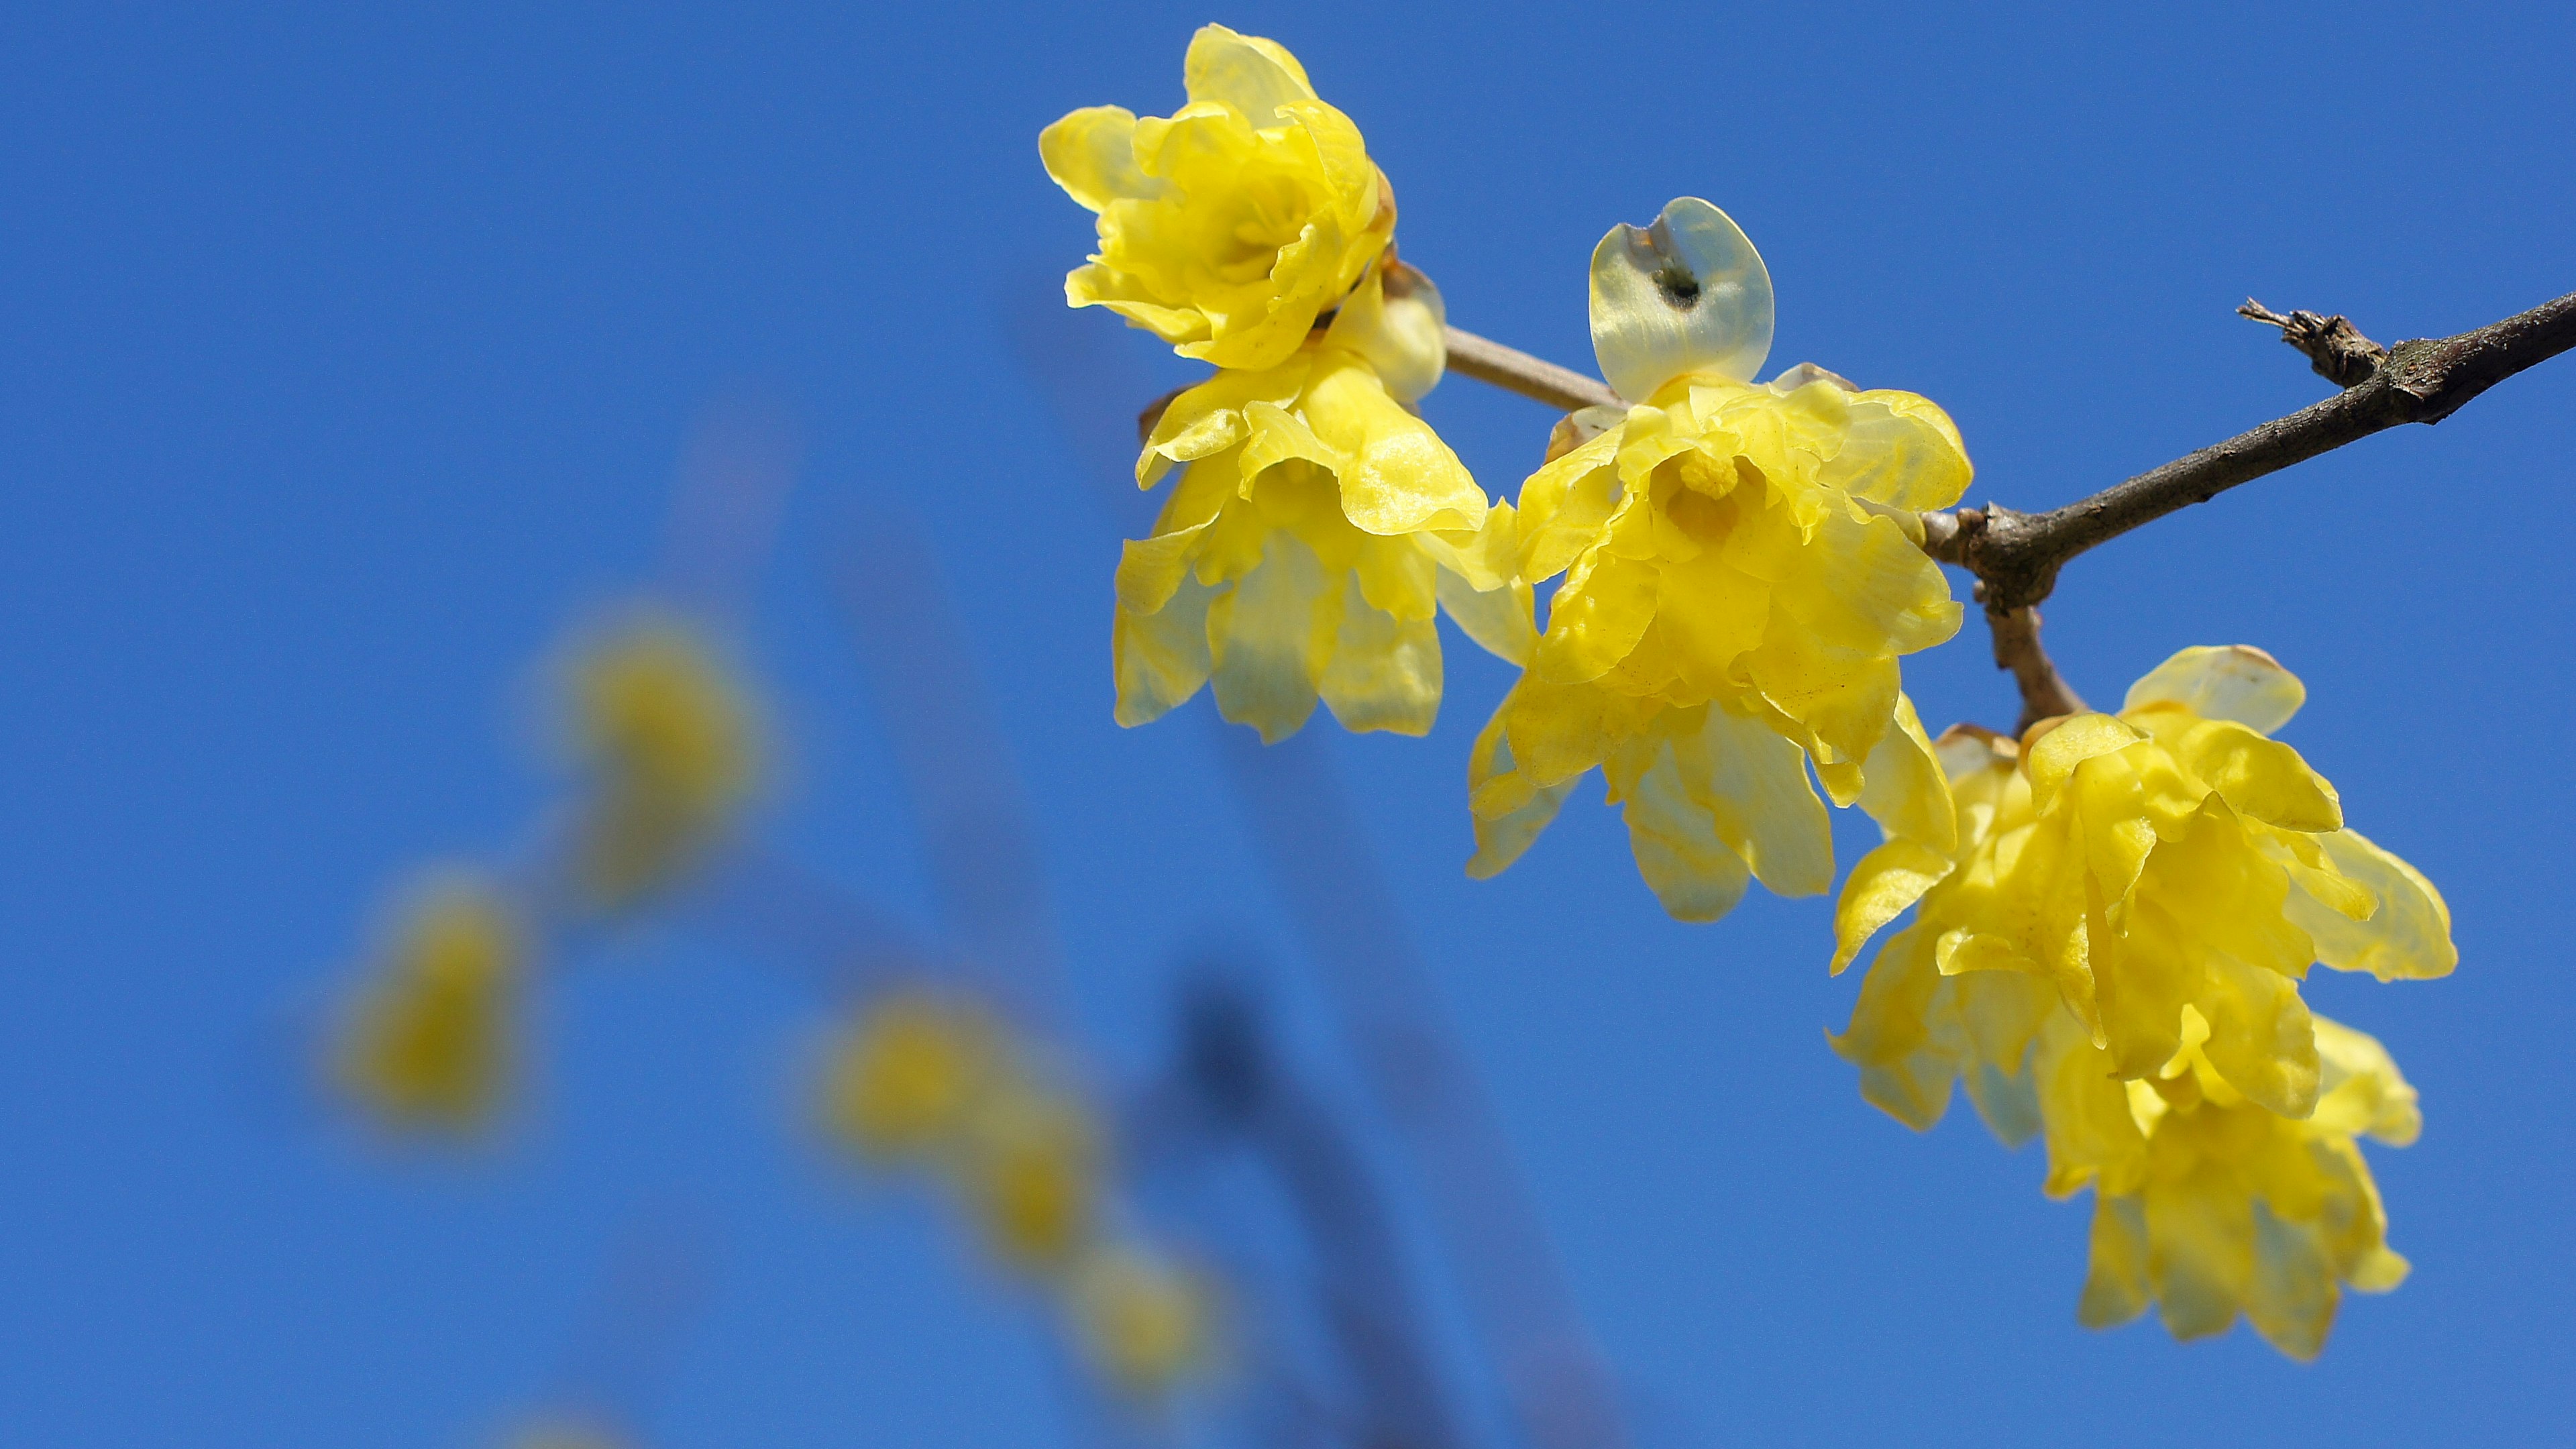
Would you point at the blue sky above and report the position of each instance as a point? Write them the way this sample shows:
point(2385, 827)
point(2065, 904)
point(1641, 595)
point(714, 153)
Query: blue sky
point(348, 357)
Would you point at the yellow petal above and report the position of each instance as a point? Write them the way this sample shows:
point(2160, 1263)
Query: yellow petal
point(2291, 1295)
point(1693, 872)
point(1161, 659)
point(1251, 74)
point(1091, 153)
point(2408, 939)
point(1385, 672)
point(1504, 833)
point(2362, 1091)
point(1401, 477)
point(1901, 1036)
point(2232, 682)
point(2115, 1279)
point(1885, 883)
point(1905, 790)
point(2260, 1036)
point(1499, 619)
point(1270, 637)
point(2261, 778)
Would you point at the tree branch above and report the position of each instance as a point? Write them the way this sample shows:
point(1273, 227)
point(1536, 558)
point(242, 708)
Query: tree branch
point(2044, 692)
point(1513, 370)
point(2016, 556)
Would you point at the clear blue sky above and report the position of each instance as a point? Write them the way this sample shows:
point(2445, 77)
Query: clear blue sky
point(345, 357)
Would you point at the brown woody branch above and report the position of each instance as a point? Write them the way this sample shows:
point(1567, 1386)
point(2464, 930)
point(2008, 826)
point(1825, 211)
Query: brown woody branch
point(1513, 370)
point(2016, 556)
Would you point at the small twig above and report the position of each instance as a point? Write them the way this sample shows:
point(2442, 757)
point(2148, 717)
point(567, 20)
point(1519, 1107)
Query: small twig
point(1513, 370)
point(2045, 693)
point(2017, 555)
point(2335, 348)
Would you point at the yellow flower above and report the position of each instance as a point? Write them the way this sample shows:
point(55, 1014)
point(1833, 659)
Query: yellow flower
point(666, 739)
point(1304, 553)
point(2225, 1172)
point(2171, 862)
point(1031, 1173)
point(908, 1079)
point(2208, 1204)
point(1742, 570)
point(428, 1044)
point(1143, 1322)
point(1230, 227)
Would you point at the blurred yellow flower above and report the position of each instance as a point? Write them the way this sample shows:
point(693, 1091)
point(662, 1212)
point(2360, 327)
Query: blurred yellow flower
point(1142, 1321)
point(666, 740)
point(1230, 227)
point(907, 1080)
point(428, 1043)
point(1031, 1174)
point(936, 1081)
point(1316, 529)
point(2172, 857)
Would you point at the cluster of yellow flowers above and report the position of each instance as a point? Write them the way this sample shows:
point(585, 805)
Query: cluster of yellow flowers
point(1741, 562)
point(2114, 912)
point(2110, 955)
point(1319, 524)
point(663, 739)
point(934, 1082)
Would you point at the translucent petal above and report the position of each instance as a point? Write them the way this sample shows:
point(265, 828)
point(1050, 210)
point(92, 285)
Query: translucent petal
point(2408, 939)
point(2200, 1247)
point(1396, 320)
point(1901, 450)
point(1400, 477)
point(1885, 883)
point(2227, 681)
point(2115, 1281)
point(2260, 1036)
point(2291, 1296)
point(1693, 872)
point(1501, 837)
point(1686, 293)
point(1161, 659)
point(1896, 1037)
point(1091, 153)
point(1251, 74)
point(1497, 619)
point(1753, 784)
point(2362, 1091)
point(1906, 791)
point(1385, 672)
point(2260, 777)
point(1269, 638)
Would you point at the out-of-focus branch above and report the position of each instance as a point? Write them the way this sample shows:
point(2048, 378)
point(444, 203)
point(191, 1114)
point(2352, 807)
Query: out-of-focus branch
point(1513, 370)
point(2016, 555)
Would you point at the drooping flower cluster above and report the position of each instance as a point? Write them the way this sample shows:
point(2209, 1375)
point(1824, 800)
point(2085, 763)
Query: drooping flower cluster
point(662, 737)
point(1742, 571)
point(933, 1082)
point(2110, 956)
point(1318, 525)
